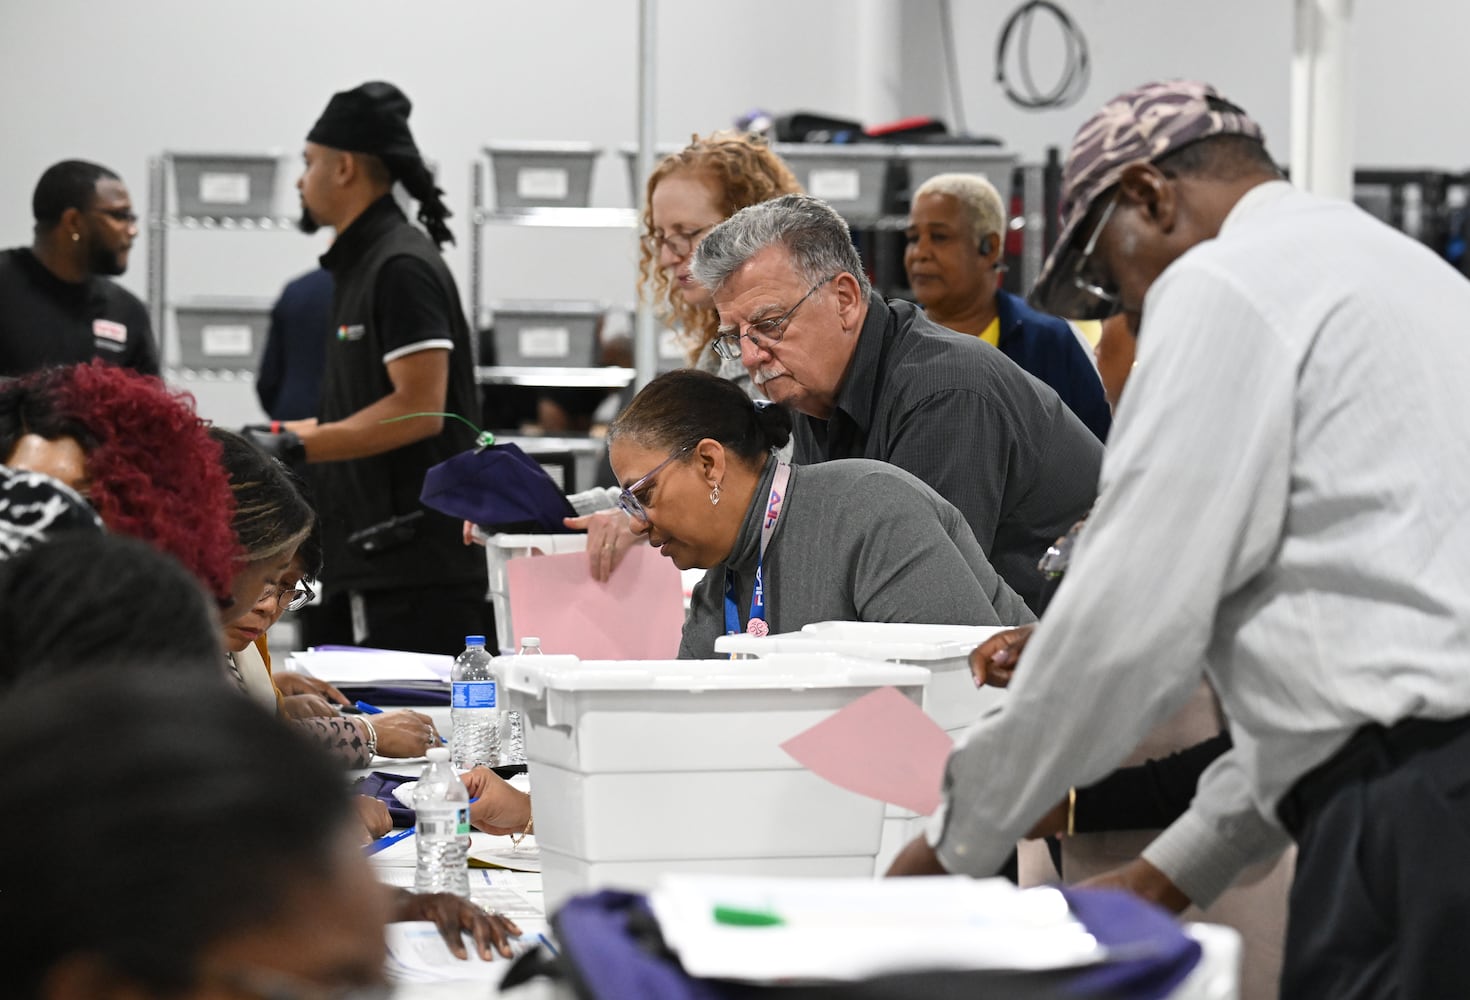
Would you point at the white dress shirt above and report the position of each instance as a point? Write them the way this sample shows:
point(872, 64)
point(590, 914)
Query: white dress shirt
point(1285, 506)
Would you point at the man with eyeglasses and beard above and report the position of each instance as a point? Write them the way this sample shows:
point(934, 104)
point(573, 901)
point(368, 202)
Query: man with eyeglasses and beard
point(57, 306)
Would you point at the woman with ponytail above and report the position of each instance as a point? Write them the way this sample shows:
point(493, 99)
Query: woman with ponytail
point(850, 540)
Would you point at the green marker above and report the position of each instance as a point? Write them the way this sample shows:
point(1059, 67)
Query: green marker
point(733, 916)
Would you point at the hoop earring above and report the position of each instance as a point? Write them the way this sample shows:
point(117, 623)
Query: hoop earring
point(714, 495)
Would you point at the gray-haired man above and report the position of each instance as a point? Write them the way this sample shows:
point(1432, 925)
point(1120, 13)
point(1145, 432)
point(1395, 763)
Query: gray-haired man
point(875, 379)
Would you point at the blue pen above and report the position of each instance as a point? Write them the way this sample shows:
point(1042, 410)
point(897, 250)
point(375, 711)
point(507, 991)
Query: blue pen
point(549, 946)
point(387, 840)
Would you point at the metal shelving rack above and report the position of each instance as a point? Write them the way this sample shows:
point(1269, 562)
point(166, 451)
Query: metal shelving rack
point(482, 215)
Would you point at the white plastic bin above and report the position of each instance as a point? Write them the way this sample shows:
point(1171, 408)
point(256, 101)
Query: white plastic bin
point(950, 699)
point(500, 549)
point(640, 767)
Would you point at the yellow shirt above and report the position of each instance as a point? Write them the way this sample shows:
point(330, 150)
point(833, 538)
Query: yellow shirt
point(991, 334)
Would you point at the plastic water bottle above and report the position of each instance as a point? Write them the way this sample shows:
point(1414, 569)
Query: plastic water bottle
point(475, 707)
point(442, 808)
point(514, 741)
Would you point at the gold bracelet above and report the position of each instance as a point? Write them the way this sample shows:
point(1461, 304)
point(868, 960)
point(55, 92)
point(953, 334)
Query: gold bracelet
point(516, 838)
point(1071, 812)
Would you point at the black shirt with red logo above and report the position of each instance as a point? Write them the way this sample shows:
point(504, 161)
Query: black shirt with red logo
point(46, 321)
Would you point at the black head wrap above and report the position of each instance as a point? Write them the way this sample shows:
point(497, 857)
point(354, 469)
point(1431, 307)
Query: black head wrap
point(373, 118)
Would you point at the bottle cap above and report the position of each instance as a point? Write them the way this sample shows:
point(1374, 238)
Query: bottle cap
point(437, 755)
point(530, 640)
point(474, 640)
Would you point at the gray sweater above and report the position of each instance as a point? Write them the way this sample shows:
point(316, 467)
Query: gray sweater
point(857, 541)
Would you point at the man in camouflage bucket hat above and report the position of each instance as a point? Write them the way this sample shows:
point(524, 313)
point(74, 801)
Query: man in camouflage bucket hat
point(1142, 126)
point(1282, 510)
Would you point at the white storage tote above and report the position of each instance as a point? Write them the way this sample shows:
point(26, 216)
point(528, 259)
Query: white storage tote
point(951, 698)
point(640, 767)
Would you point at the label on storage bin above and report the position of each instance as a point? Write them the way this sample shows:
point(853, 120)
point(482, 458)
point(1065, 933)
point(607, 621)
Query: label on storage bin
point(457, 825)
point(545, 342)
point(472, 694)
point(224, 189)
point(542, 182)
point(834, 185)
point(218, 341)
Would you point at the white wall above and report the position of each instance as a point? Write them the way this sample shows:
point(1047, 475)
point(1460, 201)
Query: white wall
point(119, 82)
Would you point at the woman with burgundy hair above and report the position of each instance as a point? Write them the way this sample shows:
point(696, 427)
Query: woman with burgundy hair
point(138, 453)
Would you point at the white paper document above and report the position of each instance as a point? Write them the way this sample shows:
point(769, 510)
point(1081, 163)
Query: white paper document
point(371, 666)
point(417, 954)
point(764, 929)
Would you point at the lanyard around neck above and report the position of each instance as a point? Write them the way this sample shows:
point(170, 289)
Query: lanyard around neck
point(758, 624)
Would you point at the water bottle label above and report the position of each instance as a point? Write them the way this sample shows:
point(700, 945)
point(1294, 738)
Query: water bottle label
point(452, 825)
point(473, 694)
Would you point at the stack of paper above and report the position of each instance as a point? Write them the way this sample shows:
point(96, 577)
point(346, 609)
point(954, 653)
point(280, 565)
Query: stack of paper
point(764, 929)
point(382, 667)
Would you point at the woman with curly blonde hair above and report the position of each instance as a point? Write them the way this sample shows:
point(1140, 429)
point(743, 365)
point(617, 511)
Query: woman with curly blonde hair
point(688, 194)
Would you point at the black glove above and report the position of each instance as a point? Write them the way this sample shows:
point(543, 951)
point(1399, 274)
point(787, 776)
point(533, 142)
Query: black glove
point(282, 445)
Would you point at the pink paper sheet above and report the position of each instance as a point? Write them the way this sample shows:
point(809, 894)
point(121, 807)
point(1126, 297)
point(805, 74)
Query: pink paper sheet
point(882, 746)
point(637, 615)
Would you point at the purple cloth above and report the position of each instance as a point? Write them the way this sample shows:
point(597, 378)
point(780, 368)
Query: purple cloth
point(1154, 955)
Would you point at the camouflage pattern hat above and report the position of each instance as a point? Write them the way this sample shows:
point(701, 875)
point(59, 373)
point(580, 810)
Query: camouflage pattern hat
point(1140, 126)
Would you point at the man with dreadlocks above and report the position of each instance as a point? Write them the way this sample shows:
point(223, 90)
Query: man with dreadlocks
point(397, 574)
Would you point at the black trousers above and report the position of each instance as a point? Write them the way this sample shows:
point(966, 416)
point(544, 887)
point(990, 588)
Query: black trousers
point(421, 619)
point(1381, 902)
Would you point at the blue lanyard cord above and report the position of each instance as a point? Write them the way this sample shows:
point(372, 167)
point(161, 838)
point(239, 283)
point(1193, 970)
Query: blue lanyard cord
point(774, 504)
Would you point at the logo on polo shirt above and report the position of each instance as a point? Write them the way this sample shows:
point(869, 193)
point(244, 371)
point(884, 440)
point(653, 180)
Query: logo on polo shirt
point(113, 336)
point(351, 331)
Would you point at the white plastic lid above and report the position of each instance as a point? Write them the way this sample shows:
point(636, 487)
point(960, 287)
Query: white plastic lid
point(783, 671)
point(531, 641)
point(873, 640)
point(437, 755)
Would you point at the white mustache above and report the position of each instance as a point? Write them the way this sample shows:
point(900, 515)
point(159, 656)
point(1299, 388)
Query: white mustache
point(763, 375)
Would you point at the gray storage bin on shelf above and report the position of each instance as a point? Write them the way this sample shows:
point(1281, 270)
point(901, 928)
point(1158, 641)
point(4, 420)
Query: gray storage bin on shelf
point(559, 334)
point(224, 185)
point(852, 179)
point(542, 174)
point(222, 334)
point(924, 162)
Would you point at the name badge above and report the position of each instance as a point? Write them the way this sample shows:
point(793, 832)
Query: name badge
point(351, 331)
point(106, 329)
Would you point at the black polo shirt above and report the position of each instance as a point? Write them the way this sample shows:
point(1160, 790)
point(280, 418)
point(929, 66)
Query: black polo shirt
point(393, 296)
point(992, 440)
point(46, 321)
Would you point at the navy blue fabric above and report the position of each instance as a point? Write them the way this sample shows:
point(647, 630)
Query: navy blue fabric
point(289, 382)
point(1045, 346)
point(380, 785)
point(500, 487)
